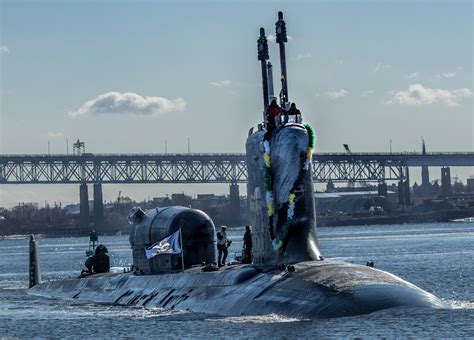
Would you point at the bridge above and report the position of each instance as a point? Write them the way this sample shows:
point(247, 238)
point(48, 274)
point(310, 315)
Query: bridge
point(209, 168)
point(99, 169)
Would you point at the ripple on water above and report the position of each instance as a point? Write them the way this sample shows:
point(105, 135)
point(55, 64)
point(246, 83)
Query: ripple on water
point(438, 261)
point(256, 319)
point(460, 304)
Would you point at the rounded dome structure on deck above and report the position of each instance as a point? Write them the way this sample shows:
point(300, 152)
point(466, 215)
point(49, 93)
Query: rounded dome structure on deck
point(198, 235)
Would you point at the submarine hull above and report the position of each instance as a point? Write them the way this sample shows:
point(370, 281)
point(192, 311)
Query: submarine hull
point(316, 289)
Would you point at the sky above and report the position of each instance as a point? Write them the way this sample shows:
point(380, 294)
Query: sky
point(130, 76)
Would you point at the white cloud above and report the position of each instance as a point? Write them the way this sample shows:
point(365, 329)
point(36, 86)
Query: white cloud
point(337, 94)
point(221, 83)
point(339, 61)
point(446, 75)
point(417, 94)
point(302, 56)
point(368, 93)
point(380, 66)
point(55, 134)
point(4, 50)
point(272, 38)
point(128, 103)
point(412, 75)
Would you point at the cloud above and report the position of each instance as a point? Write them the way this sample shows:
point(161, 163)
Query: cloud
point(302, 56)
point(128, 103)
point(272, 38)
point(55, 134)
point(380, 66)
point(446, 75)
point(412, 75)
point(337, 94)
point(417, 94)
point(221, 83)
point(367, 93)
point(339, 61)
point(4, 50)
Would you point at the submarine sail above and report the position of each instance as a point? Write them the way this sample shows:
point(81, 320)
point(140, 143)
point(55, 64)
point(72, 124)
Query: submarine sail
point(281, 198)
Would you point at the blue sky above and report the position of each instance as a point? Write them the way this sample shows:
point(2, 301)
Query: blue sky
point(124, 76)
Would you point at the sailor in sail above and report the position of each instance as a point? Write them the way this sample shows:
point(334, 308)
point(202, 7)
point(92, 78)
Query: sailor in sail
point(273, 115)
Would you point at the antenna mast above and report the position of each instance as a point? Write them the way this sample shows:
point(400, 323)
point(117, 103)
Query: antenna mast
point(281, 39)
point(262, 49)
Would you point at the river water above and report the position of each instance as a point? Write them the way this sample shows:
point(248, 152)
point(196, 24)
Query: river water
point(436, 257)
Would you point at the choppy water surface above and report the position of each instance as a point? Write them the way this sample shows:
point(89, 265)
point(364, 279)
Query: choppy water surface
point(435, 257)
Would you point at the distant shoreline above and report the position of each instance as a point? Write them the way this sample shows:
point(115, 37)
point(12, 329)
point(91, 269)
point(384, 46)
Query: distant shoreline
point(381, 221)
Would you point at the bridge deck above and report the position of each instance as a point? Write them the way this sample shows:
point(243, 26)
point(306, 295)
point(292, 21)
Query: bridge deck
point(207, 168)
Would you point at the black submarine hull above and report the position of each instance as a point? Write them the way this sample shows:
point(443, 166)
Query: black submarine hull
point(316, 289)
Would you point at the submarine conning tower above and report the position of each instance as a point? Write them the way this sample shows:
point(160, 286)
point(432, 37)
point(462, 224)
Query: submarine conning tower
point(280, 188)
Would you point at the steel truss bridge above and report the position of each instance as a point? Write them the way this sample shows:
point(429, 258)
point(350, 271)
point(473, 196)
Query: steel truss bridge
point(209, 168)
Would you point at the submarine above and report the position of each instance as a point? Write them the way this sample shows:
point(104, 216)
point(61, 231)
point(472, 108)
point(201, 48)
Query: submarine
point(288, 276)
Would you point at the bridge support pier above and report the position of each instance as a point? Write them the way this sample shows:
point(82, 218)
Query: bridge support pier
point(98, 207)
point(404, 197)
point(446, 189)
point(401, 193)
point(84, 206)
point(234, 198)
point(407, 186)
point(382, 189)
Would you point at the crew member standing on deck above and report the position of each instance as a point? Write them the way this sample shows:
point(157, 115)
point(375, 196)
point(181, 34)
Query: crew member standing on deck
point(247, 250)
point(222, 244)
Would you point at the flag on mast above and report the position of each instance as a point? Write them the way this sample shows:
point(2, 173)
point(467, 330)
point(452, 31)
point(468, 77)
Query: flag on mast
point(169, 245)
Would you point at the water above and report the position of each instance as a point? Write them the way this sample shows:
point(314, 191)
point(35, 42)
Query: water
point(435, 257)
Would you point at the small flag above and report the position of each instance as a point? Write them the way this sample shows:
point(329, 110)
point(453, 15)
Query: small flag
point(169, 245)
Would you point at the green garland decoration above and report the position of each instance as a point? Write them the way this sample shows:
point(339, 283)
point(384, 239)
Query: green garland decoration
point(310, 131)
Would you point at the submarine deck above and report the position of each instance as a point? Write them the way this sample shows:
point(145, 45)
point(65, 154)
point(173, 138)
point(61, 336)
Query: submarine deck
point(316, 289)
